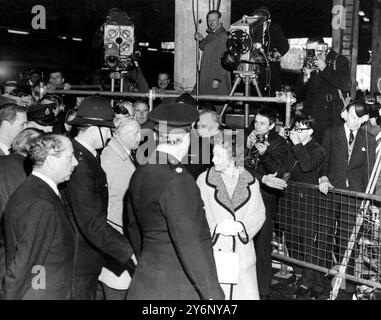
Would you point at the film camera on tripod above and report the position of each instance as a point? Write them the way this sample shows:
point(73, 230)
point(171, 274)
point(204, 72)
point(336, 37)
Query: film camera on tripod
point(118, 41)
point(246, 42)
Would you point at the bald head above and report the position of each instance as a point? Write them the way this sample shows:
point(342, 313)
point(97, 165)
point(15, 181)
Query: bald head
point(129, 133)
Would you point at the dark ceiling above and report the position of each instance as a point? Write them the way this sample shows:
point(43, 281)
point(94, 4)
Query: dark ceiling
point(154, 23)
point(154, 19)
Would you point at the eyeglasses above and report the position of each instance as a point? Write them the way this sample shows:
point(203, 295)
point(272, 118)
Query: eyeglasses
point(300, 129)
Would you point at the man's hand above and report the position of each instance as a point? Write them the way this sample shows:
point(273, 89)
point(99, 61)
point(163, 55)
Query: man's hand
point(324, 185)
point(261, 147)
point(306, 73)
point(320, 64)
point(294, 137)
point(272, 181)
point(215, 84)
point(66, 86)
point(251, 140)
point(198, 36)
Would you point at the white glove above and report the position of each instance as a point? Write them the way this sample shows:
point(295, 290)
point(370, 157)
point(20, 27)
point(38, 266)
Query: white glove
point(229, 227)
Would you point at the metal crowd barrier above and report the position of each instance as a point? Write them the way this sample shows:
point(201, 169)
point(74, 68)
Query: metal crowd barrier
point(281, 97)
point(313, 230)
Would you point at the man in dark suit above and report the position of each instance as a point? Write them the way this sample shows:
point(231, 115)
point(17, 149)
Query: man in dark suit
point(267, 157)
point(14, 170)
point(87, 195)
point(175, 249)
point(322, 82)
point(350, 159)
point(12, 121)
point(39, 236)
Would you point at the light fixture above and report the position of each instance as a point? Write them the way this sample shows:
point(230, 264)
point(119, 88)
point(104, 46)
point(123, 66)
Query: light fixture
point(77, 39)
point(361, 13)
point(17, 31)
point(144, 44)
point(366, 19)
point(62, 37)
point(152, 49)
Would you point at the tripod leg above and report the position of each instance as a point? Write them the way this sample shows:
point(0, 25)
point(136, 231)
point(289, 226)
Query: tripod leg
point(247, 106)
point(255, 84)
point(235, 85)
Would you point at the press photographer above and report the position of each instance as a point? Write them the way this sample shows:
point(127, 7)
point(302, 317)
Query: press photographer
point(323, 85)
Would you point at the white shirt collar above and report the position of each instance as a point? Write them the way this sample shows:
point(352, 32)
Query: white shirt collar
point(4, 148)
point(49, 181)
point(87, 146)
point(166, 149)
point(347, 132)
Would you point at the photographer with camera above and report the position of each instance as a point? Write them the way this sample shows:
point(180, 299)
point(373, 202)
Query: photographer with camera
point(275, 45)
point(266, 159)
point(323, 85)
point(303, 229)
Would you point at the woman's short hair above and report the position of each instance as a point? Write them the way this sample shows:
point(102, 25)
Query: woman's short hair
point(24, 140)
point(228, 140)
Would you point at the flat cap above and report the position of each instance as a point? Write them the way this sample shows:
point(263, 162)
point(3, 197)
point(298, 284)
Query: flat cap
point(174, 115)
point(43, 114)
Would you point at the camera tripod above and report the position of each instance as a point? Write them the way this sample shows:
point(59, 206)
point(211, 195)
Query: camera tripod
point(248, 76)
point(117, 75)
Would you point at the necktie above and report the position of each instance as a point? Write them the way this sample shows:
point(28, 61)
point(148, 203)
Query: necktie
point(133, 159)
point(98, 157)
point(351, 137)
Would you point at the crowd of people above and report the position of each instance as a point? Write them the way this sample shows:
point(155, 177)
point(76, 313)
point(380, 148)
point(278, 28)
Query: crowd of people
point(102, 200)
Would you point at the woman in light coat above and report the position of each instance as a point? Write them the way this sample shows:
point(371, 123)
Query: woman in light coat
point(235, 213)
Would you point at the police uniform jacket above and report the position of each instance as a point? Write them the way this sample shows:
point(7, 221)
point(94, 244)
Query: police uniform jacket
point(39, 244)
point(175, 248)
point(87, 194)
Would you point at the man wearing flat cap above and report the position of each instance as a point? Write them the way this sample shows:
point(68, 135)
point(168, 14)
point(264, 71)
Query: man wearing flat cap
point(173, 245)
point(87, 195)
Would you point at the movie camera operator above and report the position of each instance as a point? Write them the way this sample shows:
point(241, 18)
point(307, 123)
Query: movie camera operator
point(256, 41)
point(323, 86)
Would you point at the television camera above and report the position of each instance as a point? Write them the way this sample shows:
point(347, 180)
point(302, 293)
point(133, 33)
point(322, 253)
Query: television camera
point(246, 42)
point(118, 41)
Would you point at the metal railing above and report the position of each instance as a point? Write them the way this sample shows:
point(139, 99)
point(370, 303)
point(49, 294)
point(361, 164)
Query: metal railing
point(316, 230)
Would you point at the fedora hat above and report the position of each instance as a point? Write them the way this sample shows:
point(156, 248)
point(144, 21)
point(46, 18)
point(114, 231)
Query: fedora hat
point(94, 111)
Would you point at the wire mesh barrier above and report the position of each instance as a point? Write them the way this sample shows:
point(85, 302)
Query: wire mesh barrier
point(338, 233)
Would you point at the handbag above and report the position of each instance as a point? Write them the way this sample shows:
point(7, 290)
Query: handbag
point(227, 265)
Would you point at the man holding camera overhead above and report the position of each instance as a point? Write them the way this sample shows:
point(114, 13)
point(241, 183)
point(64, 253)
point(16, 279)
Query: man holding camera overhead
point(323, 85)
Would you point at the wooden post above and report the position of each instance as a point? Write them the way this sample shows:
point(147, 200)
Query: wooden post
point(375, 83)
point(345, 32)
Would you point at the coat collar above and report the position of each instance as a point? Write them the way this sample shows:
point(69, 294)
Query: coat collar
point(119, 149)
point(241, 193)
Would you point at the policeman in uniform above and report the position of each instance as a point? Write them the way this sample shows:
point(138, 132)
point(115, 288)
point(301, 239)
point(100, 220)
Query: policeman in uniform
point(174, 247)
point(87, 195)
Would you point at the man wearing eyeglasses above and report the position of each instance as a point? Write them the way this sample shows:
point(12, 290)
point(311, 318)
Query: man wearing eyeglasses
point(304, 234)
point(322, 85)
